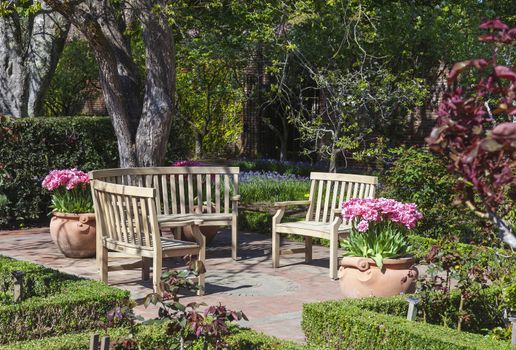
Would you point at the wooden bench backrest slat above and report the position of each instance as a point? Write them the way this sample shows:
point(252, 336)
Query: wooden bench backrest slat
point(208, 194)
point(181, 190)
point(127, 214)
point(328, 191)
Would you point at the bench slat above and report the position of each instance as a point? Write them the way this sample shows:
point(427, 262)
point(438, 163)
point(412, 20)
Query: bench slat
point(217, 193)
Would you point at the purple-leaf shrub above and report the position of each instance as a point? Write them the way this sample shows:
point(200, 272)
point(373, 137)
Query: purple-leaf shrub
point(475, 130)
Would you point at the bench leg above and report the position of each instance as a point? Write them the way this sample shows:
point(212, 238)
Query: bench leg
point(201, 257)
point(308, 249)
point(234, 238)
point(103, 268)
point(156, 273)
point(146, 263)
point(275, 248)
point(334, 245)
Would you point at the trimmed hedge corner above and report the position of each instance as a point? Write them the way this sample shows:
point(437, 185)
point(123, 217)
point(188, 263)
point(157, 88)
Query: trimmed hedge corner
point(379, 323)
point(55, 303)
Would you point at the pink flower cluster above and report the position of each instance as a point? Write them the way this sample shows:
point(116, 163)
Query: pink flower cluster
point(380, 209)
point(187, 163)
point(68, 178)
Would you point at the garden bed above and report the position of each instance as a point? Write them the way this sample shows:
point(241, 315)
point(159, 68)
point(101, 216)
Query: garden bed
point(54, 303)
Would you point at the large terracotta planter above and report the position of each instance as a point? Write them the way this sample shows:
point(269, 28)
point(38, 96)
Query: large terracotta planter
point(360, 277)
point(74, 234)
point(208, 231)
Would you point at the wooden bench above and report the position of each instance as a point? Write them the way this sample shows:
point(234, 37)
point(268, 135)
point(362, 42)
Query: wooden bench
point(208, 194)
point(127, 223)
point(323, 219)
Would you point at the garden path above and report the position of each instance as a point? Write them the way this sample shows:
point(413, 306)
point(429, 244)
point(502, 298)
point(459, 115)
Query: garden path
point(272, 299)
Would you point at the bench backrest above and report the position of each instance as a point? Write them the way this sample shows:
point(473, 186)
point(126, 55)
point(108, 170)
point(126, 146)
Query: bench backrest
point(126, 214)
point(329, 190)
point(181, 190)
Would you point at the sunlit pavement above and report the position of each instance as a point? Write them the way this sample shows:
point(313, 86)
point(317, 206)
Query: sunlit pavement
point(271, 298)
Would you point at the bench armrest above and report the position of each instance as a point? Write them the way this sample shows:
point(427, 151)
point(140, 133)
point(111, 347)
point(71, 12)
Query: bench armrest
point(286, 204)
point(337, 211)
point(236, 198)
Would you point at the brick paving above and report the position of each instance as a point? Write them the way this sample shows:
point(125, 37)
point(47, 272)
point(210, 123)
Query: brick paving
point(271, 298)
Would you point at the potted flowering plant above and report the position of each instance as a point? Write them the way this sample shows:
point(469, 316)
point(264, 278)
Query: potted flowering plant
point(72, 226)
point(376, 260)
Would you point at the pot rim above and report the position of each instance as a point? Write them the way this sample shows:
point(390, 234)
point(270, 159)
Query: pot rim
point(59, 214)
point(353, 260)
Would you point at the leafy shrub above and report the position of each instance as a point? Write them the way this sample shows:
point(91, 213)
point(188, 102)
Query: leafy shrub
point(379, 323)
point(421, 177)
point(55, 303)
point(31, 147)
point(498, 263)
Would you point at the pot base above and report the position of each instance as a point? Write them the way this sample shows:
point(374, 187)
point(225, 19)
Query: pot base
point(74, 234)
point(360, 277)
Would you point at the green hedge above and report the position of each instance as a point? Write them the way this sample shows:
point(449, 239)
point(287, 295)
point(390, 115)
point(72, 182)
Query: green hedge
point(55, 303)
point(154, 337)
point(31, 147)
point(379, 323)
point(37, 280)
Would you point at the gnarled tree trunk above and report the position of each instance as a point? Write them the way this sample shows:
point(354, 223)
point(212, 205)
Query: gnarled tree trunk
point(140, 107)
point(29, 50)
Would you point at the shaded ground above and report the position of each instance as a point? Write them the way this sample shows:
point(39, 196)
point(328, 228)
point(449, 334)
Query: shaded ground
point(271, 298)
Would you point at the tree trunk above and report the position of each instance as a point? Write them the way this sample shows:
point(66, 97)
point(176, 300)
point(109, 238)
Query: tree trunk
point(504, 230)
point(198, 145)
point(29, 50)
point(141, 121)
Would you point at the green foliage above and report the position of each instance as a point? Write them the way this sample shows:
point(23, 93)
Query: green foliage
point(77, 200)
point(37, 280)
point(375, 323)
point(498, 263)
point(31, 147)
point(380, 241)
point(154, 337)
point(418, 176)
point(73, 83)
point(55, 303)
point(270, 188)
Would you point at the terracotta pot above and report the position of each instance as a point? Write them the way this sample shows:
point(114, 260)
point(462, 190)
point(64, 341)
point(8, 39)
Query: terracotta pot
point(360, 277)
point(74, 234)
point(208, 231)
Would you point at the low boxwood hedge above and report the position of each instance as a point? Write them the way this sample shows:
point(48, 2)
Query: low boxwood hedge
point(379, 323)
point(54, 303)
point(155, 337)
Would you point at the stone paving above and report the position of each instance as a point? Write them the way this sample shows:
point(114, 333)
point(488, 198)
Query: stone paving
point(271, 298)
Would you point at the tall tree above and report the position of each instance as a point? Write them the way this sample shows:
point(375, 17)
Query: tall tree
point(140, 104)
point(31, 38)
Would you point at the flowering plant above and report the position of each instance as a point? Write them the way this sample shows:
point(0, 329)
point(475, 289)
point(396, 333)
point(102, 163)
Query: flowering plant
point(187, 163)
point(70, 191)
point(381, 228)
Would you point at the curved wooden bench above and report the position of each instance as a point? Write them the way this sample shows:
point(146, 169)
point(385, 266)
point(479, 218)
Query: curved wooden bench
point(202, 193)
point(127, 222)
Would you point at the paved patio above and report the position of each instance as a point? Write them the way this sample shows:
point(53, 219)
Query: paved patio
point(272, 299)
